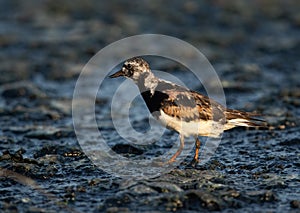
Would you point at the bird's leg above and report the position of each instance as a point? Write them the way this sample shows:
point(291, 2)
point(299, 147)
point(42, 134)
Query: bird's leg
point(197, 145)
point(178, 151)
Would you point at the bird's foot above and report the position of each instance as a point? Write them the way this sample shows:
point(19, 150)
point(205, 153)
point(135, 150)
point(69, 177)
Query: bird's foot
point(171, 161)
point(194, 162)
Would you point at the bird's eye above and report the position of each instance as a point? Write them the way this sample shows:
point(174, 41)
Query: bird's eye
point(129, 66)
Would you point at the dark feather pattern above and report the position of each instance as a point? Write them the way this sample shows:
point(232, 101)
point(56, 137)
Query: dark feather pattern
point(191, 106)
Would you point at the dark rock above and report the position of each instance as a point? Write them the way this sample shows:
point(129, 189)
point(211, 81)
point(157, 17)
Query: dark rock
point(295, 204)
point(262, 196)
point(197, 199)
point(17, 157)
point(127, 149)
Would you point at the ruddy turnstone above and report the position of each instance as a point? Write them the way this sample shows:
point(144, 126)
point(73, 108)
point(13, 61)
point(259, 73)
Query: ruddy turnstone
point(183, 110)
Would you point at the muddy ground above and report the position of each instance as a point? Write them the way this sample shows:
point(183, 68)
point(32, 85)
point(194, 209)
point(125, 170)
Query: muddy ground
point(254, 47)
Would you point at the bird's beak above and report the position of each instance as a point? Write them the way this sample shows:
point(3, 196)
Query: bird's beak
point(117, 74)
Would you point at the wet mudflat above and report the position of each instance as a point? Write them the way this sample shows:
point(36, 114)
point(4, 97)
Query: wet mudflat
point(254, 48)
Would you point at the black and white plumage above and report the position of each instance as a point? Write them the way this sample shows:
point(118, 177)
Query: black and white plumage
point(183, 110)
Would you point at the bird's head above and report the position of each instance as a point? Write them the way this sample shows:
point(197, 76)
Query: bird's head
point(133, 68)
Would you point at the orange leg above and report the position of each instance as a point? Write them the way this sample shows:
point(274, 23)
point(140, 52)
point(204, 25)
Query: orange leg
point(196, 156)
point(178, 151)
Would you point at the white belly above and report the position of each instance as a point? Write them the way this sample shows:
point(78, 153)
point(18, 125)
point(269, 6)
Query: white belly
point(204, 128)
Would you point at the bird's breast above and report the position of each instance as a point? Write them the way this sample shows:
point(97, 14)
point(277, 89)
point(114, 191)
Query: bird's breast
point(154, 101)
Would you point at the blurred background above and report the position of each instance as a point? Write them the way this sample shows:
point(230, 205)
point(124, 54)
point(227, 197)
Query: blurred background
point(254, 47)
point(73, 31)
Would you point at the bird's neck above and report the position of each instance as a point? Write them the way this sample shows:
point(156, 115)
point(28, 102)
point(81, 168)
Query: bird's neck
point(147, 82)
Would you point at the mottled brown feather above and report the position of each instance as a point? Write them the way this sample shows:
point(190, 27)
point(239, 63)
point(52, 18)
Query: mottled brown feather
point(190, 105)
point(197, 107)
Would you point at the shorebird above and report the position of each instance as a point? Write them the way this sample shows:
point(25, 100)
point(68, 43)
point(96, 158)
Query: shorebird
point(178, 108)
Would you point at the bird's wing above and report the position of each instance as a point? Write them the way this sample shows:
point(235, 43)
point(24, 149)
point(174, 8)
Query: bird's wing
point(189, 105)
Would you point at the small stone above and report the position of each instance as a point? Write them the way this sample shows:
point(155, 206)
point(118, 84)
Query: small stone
point(25, 199)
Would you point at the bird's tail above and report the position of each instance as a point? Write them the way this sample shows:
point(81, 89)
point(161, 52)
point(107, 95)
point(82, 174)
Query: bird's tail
point(236, 118)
